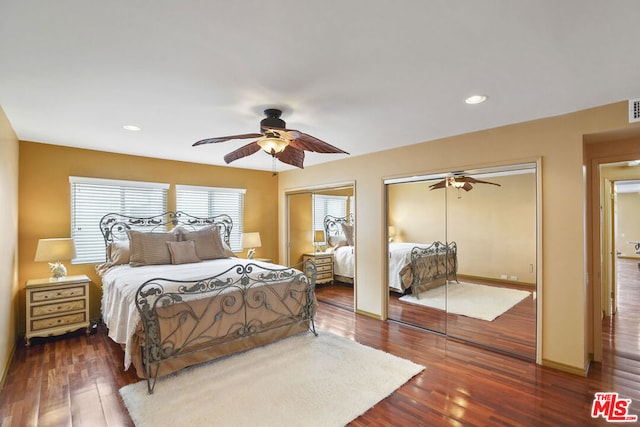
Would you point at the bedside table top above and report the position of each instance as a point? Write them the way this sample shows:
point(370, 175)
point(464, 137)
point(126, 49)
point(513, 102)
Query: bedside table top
point(318, 254)
point(67, 280)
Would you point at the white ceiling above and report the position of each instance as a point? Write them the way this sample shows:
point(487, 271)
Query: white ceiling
point(363, 75)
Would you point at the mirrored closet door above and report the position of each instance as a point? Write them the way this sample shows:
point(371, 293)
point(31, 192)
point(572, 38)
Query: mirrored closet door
point(474, 260)
point(321, 224)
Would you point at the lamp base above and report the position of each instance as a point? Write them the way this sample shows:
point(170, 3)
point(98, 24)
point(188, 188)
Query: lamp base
point(57, 269)
point(251, 253)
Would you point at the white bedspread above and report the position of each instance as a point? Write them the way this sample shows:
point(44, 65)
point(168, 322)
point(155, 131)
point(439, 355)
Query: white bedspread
point(344, 261)
point(120, 283)
point(399, 256)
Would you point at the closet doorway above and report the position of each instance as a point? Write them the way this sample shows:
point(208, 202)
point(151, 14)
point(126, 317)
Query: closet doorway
point(483, 223)
point(321, 226)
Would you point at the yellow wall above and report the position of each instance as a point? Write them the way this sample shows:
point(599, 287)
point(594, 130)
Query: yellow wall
point(45, 205)
point(9, 288)
point(558, 142)
point(494, 227)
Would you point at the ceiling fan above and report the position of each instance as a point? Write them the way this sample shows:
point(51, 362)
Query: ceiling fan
point(286, 145)
point(460, 182)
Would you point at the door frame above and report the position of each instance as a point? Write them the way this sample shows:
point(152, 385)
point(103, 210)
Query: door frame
point(600, 150)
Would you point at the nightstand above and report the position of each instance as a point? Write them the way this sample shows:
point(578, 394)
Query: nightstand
point(324, 265)
point(56, 306)
point(269, 260)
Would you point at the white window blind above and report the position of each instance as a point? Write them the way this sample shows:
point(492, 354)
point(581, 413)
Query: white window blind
point(210, 201)
point(324, 205)
point(92, 198)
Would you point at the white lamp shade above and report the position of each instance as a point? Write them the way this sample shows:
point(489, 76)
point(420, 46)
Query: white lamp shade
point(318, 236)
point(251, 240)
point(55, 250)
point(392, 231)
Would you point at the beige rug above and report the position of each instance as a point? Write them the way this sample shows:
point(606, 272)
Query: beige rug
point(471, 300)
point(299, 381)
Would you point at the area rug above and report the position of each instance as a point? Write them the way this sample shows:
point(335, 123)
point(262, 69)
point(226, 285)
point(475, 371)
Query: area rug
point(471, 300)
point(299, 381)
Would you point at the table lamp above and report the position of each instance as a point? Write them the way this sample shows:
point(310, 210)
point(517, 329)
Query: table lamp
point(53, 251)
point(318, 238)
point(251, 241)
point(392, 232)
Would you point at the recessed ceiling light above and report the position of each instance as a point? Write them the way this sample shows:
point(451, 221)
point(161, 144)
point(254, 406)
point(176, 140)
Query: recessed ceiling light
point(475, 99)
point(132, 128)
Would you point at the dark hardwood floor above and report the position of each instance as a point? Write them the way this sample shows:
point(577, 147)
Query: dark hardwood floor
point(513, 332)
point(74, 380)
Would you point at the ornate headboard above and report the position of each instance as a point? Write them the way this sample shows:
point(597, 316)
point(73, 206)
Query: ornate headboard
point(333, 224)
point(114, 226)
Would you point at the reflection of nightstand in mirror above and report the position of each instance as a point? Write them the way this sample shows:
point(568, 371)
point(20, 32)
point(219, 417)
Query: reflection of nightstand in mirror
point(264, 260)
point(55, 307)
point(324, 265)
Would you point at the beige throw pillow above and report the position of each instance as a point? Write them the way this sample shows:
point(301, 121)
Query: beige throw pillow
point(208, 242)
point(118, 252)
point(183, 252)
point(150, 248)
point(348, 233)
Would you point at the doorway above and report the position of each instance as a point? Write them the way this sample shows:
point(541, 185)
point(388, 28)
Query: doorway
point(606, 158)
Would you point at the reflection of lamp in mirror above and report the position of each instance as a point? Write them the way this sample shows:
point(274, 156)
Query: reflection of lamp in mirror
point(53, 251)
point(392, 232)
point(251, 241)
point(318, 239)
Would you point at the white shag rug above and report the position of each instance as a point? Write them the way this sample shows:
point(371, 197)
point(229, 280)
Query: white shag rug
point(299, 381)
point(471, 300)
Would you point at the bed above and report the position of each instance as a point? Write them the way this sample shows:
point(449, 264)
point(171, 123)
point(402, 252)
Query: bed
point(429, 266)
point(339, 232)
point(177, 298)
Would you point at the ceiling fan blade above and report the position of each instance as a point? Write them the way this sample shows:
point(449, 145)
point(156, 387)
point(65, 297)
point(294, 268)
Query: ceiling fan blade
point(467, 186)
point(227, 138)
point(311, 143)
point(292, 156)
point(244, 151)
point(477, 181)
point(439, 184)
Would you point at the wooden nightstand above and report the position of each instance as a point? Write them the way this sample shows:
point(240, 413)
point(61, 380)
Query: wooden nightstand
point(56, 307)
point(324, 265)
point(264, 260)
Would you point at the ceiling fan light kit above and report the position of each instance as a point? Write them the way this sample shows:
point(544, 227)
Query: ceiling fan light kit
point(286, 145)
point(459, 182)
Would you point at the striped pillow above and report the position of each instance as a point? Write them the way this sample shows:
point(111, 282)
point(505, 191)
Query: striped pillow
point(150, 248)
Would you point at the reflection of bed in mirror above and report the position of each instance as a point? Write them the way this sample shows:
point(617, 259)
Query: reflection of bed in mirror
point(339, 236)
point(433, 271)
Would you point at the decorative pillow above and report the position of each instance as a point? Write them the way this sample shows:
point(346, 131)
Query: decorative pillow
point(227, 250)
point(150, 248)
point(183, 252)
point(208, 242)
point(336, 241)
point(118, 252)
point(347, 229)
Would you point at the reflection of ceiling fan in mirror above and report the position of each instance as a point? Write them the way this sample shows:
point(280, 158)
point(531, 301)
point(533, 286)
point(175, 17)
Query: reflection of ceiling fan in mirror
point(286, 145)
point(460, 182)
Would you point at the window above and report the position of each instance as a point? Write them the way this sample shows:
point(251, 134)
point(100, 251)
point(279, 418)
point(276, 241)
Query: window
point(324, 205)
point(92, 198)
point(210, 201)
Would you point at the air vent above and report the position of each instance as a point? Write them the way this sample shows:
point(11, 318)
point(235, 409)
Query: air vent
point(634, 110)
